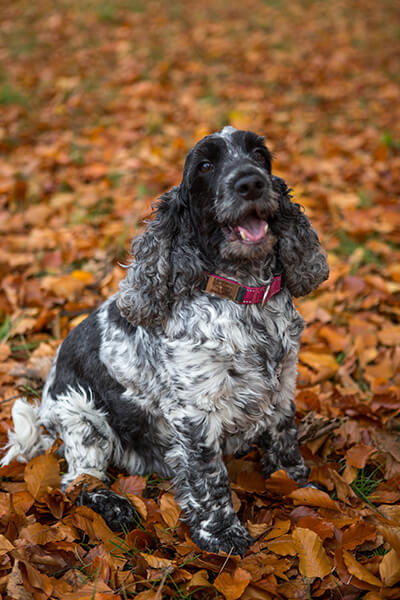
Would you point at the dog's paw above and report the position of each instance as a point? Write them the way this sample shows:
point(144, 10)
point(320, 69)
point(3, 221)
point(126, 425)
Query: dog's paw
point(235, 539)
point(117, 511)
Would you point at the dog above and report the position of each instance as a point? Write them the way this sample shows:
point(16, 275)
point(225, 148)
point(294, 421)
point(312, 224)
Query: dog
point(196, 356)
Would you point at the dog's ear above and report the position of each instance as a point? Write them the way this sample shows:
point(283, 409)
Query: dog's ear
point(166, 265)
point(299, 250)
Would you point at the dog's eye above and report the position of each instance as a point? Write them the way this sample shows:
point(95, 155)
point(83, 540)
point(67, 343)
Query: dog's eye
point(205, 166)
point(259, 156)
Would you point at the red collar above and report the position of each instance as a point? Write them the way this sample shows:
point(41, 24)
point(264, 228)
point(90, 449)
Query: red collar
point(241, 294)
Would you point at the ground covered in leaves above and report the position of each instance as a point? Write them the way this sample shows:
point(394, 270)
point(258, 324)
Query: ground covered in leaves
point(100, 101)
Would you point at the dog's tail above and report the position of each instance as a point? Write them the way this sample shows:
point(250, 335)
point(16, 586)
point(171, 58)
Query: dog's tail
point(27, 440)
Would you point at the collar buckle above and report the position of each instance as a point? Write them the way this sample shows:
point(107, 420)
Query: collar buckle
point(227, 289)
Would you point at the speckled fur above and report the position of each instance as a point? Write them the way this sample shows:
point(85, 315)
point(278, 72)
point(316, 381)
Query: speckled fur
point(164, 377)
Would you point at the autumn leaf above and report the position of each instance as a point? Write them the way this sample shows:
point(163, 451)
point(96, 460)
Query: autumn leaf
point(358, 570)
point(313, 560)
point(313, 497)
point(232, 585)
point(170, 510)
point(40, 473)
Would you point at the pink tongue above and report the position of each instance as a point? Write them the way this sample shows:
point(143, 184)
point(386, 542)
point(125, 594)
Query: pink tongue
point(253, 228)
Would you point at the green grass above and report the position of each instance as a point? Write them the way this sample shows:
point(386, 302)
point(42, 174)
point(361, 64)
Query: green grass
point(366, 482)
point(10, 95)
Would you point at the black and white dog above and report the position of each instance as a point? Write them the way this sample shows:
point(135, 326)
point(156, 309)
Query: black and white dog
point(196, 356)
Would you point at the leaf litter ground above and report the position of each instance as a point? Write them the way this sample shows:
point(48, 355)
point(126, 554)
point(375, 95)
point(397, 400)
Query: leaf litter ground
point(100, 102)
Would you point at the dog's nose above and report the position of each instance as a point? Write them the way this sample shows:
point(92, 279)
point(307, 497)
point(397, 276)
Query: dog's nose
point(250, 187)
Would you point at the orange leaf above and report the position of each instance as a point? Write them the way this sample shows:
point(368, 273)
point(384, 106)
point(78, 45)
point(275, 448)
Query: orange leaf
point(358, 570)
point(324, 529)
point(389, 568)
point(35, 582)
point(313, 497)
point(5, 545)
point(233, 586)
point(358, 455)
point(199, 579)
point(134, 484)
point(158, 562)
point(280, 483)
point(357, 534)
point(170, 510)
point(313, 560)
point(40, 473)
point(283, 546)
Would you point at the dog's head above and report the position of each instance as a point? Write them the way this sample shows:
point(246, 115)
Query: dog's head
point(229, 211)
point(228, 187)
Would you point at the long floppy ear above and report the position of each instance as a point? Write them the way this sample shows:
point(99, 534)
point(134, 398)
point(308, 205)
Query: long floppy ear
point(166, 264)
point(299, 249)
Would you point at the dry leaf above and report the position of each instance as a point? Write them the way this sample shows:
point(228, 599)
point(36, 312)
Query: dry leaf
point(313, 560)
point(232, 585)
point(40, 473)
point(358, 570)
point(170, 510)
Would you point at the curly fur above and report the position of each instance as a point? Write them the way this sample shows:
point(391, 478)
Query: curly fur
point(165, 377)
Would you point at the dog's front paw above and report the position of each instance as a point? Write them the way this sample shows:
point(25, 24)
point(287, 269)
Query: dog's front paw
point(235, 539)
point(117, 511)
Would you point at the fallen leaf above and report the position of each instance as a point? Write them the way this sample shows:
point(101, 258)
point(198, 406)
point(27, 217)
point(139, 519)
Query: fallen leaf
point(170, 510)
point(233, 585)
point(313, 560)
point(358, 570)
point(389, 568)
point(313, 497)
point(40, 473)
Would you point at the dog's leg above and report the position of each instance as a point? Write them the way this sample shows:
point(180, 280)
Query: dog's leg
point(278, 444)
point(202, 486)
point(89, 444)
point(280, 449)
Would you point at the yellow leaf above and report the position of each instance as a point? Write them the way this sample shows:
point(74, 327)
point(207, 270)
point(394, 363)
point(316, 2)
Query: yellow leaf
point(313, 560)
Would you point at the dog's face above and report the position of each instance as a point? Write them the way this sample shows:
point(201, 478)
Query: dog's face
point(227, 178)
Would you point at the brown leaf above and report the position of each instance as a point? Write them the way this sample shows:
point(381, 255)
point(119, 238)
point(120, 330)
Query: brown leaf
point(313, 497)
point(134, 484)
point(280, 483)
point(357, 534)
point(158, 562)
point(40, 473)
point(233, 585)
point(5, 545)
point(5, 351)
point(199, 580)
point(324, 529)
point(36, 582)
point(282, 545)
point(358, 570)
point(170, 510)
point(358, 455)
point(313, 560)
point(389, 569)
point(88, 482)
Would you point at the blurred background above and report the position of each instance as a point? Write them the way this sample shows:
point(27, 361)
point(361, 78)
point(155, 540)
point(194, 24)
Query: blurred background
point(100, 102)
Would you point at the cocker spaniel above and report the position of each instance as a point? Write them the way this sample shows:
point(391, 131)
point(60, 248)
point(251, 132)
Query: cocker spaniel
point(196, 355)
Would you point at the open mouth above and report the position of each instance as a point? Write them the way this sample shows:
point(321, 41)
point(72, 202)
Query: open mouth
point(251, 230)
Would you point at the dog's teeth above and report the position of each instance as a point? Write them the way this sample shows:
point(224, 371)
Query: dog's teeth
point(266, 228)
point(243, 235)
